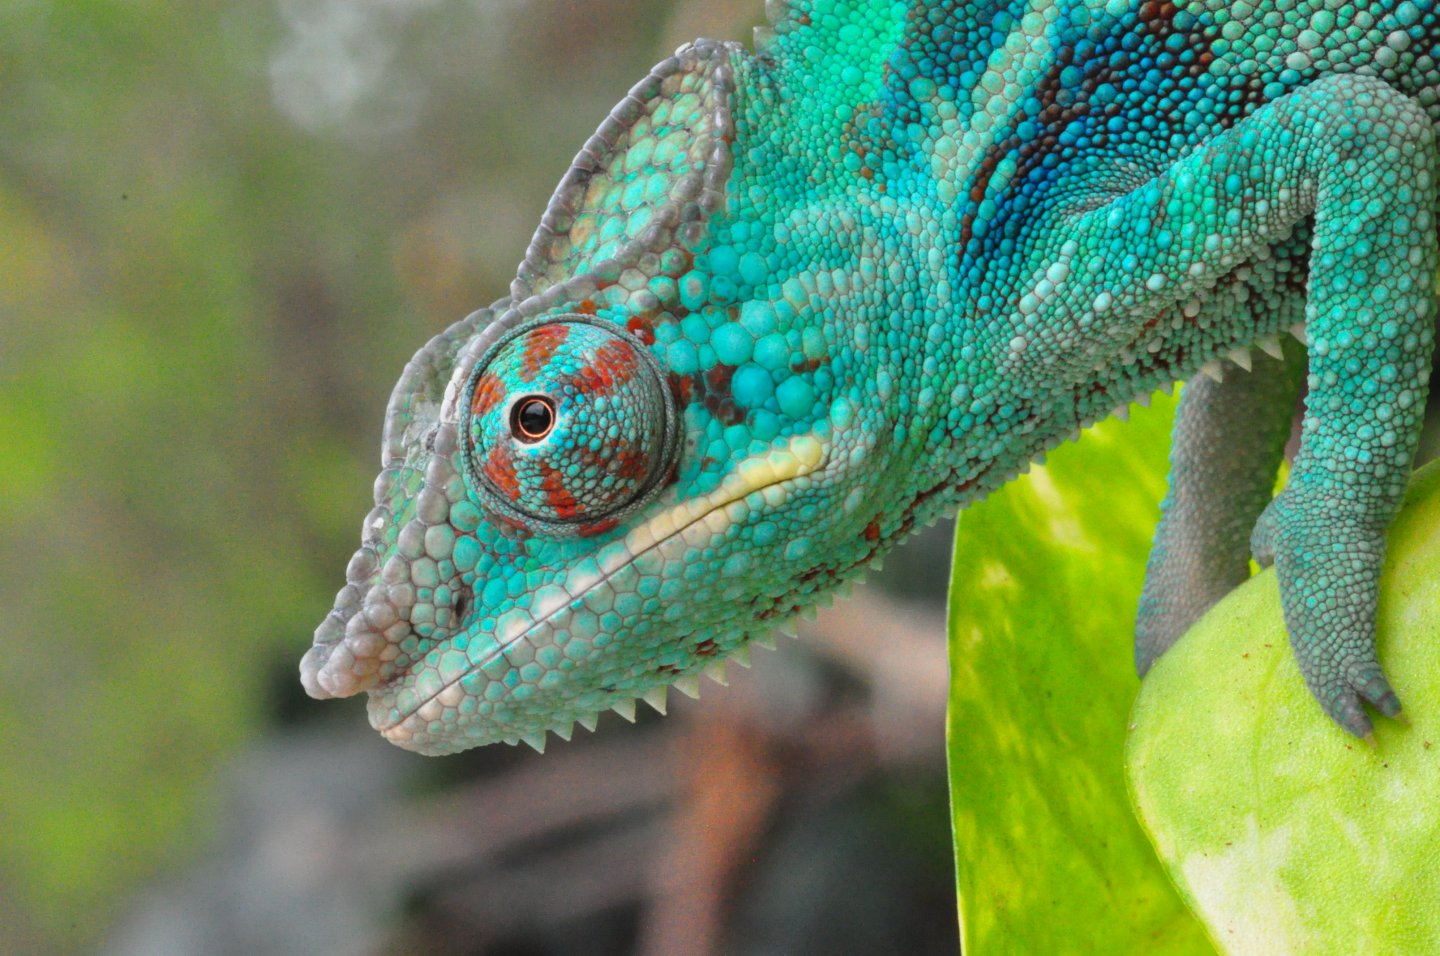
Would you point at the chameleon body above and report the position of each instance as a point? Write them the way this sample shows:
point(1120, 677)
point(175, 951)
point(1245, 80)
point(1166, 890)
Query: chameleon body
point(789, 304)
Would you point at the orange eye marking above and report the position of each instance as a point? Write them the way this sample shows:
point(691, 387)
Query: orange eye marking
point(488, 392)
point(541, 345)
point(557, 496)
point(501, 471)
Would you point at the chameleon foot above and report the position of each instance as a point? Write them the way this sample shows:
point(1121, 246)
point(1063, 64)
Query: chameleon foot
point(1366, 683)
point(1328, 569)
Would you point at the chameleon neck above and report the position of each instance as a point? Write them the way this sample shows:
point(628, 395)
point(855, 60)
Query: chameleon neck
point(850, 269)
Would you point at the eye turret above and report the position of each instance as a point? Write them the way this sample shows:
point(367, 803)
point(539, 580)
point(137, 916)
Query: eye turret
point(570, 425)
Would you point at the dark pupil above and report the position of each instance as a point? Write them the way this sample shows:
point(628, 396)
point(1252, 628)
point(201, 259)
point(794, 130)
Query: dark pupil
point(532, 418)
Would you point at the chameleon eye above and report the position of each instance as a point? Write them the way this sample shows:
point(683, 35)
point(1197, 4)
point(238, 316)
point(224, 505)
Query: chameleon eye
point(571, 426)
point(532, 418)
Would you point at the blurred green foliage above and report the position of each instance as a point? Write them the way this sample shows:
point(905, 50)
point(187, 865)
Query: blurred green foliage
point(1046, 576)
point(223, 229)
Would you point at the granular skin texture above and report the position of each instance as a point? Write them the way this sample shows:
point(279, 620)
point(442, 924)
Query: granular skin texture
point(791, 303)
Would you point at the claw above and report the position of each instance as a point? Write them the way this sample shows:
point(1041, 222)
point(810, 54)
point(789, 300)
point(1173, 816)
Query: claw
point(1350, 715)
point(1387, 703)
point(1370, 685)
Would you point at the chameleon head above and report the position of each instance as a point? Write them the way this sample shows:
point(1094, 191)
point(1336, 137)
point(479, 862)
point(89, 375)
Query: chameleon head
point(613, 478)
point(537, 553)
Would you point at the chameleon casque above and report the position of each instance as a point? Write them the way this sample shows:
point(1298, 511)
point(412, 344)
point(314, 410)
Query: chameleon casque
point(789, 304)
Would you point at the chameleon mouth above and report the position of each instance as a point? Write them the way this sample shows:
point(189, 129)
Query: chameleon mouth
point(766, 479)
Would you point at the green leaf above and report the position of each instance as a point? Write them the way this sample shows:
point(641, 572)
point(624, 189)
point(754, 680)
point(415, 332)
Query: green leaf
point(1285, 834)
point(1049, 858)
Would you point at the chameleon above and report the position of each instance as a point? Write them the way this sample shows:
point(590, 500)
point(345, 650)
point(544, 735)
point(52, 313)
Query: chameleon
point(791, 302)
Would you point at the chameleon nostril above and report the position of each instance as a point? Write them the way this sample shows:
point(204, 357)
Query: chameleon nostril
point(462, 604)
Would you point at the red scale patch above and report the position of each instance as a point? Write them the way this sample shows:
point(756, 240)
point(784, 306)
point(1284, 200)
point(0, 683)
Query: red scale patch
point(682, 387)
point(500, 470)
point(488, 392)
point(640, 327)
point(598, 528)
point(614, 361)
point(629, 462)
point(541, 345)
point(557, 496)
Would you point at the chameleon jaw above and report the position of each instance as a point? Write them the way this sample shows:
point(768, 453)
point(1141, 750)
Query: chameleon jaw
point(761, 481)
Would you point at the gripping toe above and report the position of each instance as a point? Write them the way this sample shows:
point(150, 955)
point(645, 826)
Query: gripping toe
point(1370, 683)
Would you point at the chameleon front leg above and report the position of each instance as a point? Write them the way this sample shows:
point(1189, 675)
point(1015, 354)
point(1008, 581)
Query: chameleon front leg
point(1369, 319)
point(1359, 157)
point(1228, 441)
